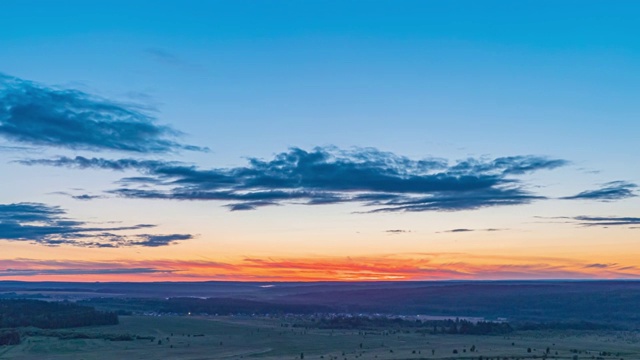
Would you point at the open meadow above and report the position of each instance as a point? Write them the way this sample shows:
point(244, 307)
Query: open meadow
point(186, 337)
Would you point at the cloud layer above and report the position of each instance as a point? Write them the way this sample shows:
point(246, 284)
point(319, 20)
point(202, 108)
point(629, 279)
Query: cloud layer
point(434, 266)
point(382, 181)
point(33, 114)
point(48, 225)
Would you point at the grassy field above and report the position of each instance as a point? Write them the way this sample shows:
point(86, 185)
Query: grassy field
point(235, 338)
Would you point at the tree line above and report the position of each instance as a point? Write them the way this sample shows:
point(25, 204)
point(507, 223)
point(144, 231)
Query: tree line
point(449, 326)
point(51, 315)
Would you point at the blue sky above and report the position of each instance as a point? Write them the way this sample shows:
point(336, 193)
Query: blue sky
point(459, 82)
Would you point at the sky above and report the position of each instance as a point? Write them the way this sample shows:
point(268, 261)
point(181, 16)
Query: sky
point(319, 140)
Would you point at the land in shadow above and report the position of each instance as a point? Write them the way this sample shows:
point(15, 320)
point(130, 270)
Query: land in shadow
point(282, 337)
point(362, 320)
point(604, 302)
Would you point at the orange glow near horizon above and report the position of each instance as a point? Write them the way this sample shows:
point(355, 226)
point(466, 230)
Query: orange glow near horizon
point(318, 142)
point(414, 267)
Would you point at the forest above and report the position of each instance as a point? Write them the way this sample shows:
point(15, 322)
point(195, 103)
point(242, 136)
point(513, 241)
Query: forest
point(449, 326)
point(51, 315)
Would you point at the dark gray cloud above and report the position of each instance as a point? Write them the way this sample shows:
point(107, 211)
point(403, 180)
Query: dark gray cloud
point(249, 205)
point(460, 200)
point(615, 190)
point(159, 240)
point(84, 197)
point(459, 230)
point(397, 231)
point(37, 115)
point(601, 221)
point(606, 221)
point(382, 181)
point(48, 225)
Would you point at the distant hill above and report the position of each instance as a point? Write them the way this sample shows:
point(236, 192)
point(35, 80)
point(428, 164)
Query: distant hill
point(606, 302)
point(600, 301)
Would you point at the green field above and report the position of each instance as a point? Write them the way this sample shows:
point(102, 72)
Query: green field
point(248, 338)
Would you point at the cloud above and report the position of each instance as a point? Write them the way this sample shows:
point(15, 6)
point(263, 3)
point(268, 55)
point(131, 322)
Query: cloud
point(606, 220)
point(34, 114)
point(436, 266)
point(4, 148)
point(249, 205)
point(397, 231)
point(84, 197)
point(599, 266)
point(46, 272)
point(460, 230)
point(615, 190)
point(107, 270)
point(628, 268)
point(515, 165)
point(432, 266)
point(381, 181)
point(602, 221)
point(159, 240)
point(47, 225)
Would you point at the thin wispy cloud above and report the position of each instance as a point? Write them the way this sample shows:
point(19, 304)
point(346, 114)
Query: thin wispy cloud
point(397, 231)
point(615, 190)
point(24, 267)
point(38, 115)
point(463, 230)
point(597, 221)
point(600, 266)
point(27, 268)
point(380, 181)
point(48, 225)
point(4, 148)
point(606, 221)
point(84, 197)
point(459, 230)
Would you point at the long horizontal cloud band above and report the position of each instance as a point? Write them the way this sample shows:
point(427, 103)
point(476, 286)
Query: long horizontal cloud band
point(38, 115)
point(381, 180)
point(597, 221)
point(607, 220)
point(47, 225)
point(389, 267)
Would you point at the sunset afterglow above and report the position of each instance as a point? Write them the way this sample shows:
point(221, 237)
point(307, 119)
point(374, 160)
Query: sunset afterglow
point(273, 142)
